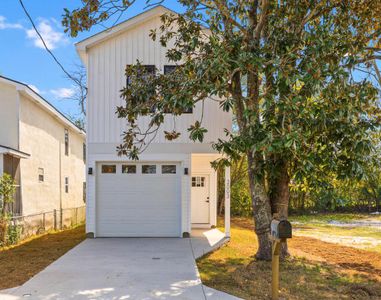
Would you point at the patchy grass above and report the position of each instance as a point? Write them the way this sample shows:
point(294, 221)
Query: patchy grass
point(354, 230)
point(338, 217)
point(21, 262)
point(317, 270)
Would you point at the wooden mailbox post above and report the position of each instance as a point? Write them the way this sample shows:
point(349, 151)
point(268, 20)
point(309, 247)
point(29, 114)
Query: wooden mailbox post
point(281, 230)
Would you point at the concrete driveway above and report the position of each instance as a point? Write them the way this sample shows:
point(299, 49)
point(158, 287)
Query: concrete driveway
point(157, 268)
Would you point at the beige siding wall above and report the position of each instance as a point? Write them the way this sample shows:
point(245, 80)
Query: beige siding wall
point(42, 136)
point(8, 116)
point(106, 65)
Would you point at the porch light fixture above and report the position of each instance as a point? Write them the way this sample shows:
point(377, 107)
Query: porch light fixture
point(186, 171)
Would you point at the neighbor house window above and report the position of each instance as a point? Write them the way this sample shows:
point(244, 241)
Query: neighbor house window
point(129, 169)
point(84, 152)
point(41, 176)
point(168, 69)
point(66, 142)
point(108, 169)
point(168, 169)
point(66, 184)
point(149, 169)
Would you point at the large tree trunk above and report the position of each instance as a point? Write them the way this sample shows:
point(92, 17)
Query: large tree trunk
point(261, 208)
point(280, 194)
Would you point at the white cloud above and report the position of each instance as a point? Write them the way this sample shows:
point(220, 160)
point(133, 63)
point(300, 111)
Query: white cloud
point(62, 93)
point(5, 25)
point(34, 88)
point(52, 37)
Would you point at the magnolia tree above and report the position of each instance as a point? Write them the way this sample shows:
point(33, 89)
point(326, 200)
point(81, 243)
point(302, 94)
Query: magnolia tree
point(286, 70)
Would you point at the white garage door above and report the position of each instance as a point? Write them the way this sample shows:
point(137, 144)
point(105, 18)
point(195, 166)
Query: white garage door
point(138, 200)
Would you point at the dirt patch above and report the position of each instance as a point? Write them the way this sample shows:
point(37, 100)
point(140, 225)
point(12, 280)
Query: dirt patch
point(21, 262)
point(350, 260)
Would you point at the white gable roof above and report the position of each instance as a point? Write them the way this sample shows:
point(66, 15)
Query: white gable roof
point(89, 42)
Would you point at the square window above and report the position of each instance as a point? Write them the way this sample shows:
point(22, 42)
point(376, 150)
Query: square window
point(198, 181)
point(41, 174)
point(149, 169)
point(128, 169)
point(168, 169)
point(108, 169)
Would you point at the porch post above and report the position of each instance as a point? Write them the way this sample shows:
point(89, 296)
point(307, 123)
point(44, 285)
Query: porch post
point(227, 202)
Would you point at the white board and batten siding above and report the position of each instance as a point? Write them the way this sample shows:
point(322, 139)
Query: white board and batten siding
point(106, 67)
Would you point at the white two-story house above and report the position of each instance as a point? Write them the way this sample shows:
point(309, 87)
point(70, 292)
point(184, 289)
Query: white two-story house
point(172, 188)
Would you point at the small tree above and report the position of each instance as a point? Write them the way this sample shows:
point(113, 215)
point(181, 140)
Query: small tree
point(7, 191)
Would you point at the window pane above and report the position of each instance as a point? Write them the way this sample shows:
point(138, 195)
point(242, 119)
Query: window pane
point(168, 169)
point(129, 169)
point(108, 169)
point(149, 169)
point(40, 174)
point(198, 181)
point(169, 69)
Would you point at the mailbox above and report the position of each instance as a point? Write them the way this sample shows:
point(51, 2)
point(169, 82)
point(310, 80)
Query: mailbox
point(281, 229)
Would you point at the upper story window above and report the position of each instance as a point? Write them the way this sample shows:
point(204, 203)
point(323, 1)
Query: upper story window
point(168, 69)
point(148, 70)
point(66, 142)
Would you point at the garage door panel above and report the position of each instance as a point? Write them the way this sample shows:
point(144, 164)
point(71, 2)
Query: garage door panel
point(138, 204)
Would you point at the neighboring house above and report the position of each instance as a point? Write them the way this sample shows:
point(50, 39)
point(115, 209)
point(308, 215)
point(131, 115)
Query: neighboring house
point(41, 149)
point(172, 188)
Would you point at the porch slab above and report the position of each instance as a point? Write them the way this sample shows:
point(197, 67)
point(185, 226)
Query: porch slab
point(206, 240)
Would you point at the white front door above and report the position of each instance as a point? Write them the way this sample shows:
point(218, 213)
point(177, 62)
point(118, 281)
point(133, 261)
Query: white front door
point(200, 199)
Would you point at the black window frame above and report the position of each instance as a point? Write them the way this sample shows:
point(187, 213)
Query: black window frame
point(167, 70)
point(149, 69)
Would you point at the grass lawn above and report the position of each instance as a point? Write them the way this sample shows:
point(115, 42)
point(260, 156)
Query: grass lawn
point(316, 270)
point(21, 262)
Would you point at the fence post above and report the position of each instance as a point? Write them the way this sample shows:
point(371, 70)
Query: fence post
point(55, 219)
point(61, 221)
point(43, 221)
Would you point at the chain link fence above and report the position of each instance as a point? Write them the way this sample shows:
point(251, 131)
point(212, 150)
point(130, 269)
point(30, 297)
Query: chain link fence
point(21, 227)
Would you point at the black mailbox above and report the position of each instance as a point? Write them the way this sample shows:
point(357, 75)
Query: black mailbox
point(281, 229)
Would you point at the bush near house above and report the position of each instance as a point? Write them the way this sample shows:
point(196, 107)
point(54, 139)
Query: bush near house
point(7, 191)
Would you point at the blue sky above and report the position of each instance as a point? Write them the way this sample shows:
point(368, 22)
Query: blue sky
point(24, 59)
